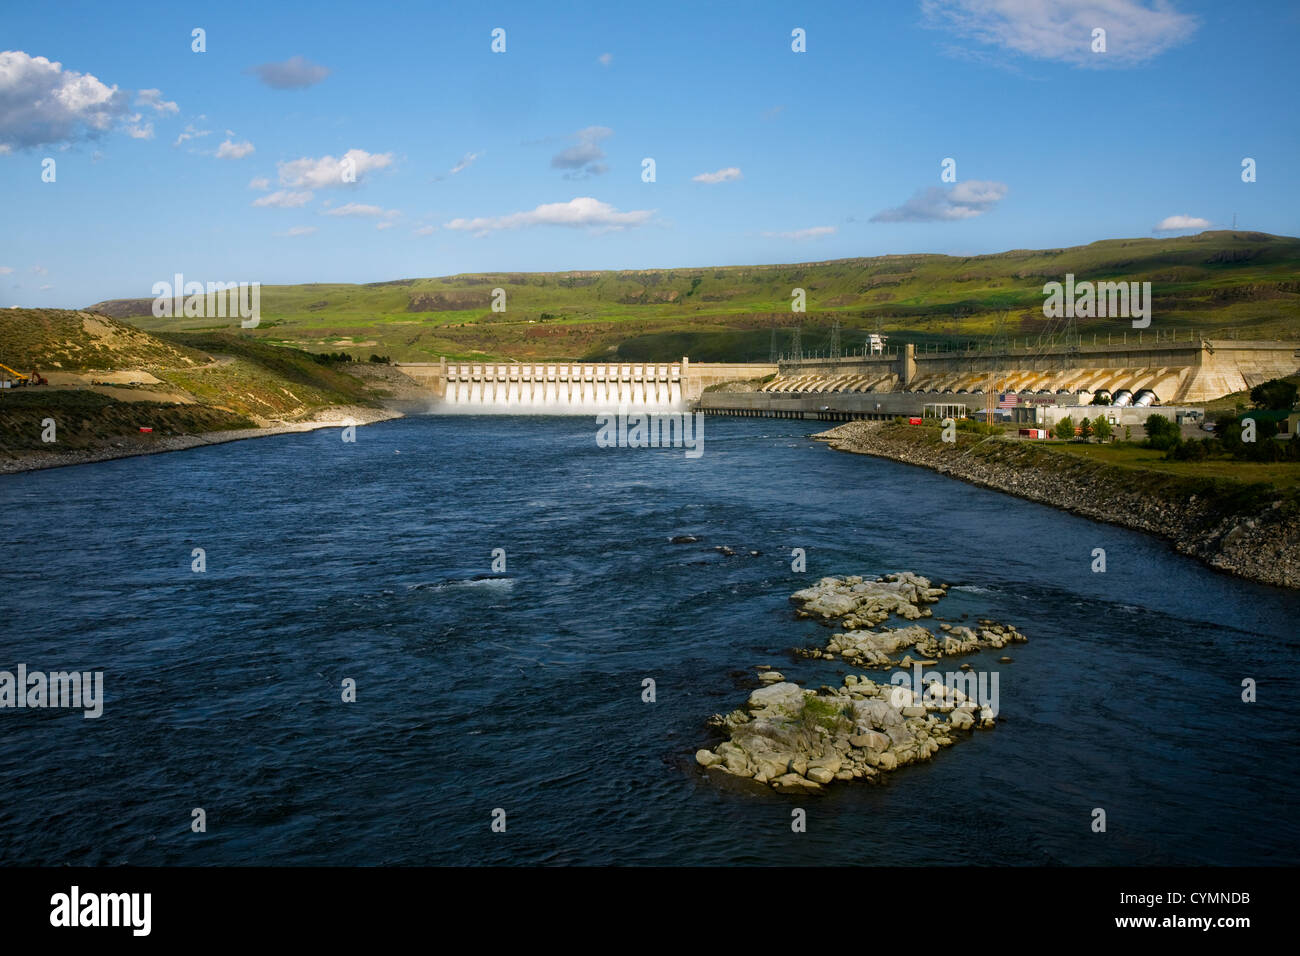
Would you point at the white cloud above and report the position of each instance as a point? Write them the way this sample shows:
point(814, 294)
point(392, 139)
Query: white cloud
point(385, 225)
point(1175, 223)
point(425, 231)
point(297, 231)
point(583, 160)
point(46, 288)
point(259, 182)
point(465, 162)
point(721, 176)
point(232, 150)
point(1136, 30)
point(138, 130)
point(605, 59)
point(284, 199)
point(39, 270)
point(153, 99)
point(799, 235)
point(363, 210)
point(293, 74)
point(583, 212)
point(191, 132)
point(328, 171)
point(936, 204)
point(6, 270)
point(42, 103)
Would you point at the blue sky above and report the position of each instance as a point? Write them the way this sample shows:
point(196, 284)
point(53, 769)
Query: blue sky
point(838, 149)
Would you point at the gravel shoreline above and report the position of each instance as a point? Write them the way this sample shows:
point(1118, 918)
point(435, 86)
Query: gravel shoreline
point(131, 447)
point(1261, 543)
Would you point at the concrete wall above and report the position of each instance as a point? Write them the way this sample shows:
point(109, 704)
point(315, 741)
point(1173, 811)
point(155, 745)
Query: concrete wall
point(830, 406)
point(1177, 371)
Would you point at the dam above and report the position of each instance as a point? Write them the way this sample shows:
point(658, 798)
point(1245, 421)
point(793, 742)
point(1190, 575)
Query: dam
point(897, 382)
point(572, 388)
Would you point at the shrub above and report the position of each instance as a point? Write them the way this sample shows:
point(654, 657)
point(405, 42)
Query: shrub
point(1277, 395)
point(1162, 434)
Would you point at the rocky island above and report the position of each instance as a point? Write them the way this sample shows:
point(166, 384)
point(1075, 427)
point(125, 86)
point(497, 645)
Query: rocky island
point(796, 739)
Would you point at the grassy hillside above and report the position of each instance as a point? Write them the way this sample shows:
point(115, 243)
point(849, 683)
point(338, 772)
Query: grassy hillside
point(1243, 281)
point(47, 339)
point(107, 380)
point(261, 380)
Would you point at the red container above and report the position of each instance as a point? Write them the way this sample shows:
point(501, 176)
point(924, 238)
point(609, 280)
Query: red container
point(914, 421)
point(143, 429)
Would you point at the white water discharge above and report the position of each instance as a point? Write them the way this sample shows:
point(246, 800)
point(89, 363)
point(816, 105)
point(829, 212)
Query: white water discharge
point(567, 389)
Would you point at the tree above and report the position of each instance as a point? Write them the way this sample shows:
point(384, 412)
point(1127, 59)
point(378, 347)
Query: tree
point(1161, 432)
point(1085, 429)
point(1276, 395)
point(1100, 399)
point(1101, 428)
point(1064, 429)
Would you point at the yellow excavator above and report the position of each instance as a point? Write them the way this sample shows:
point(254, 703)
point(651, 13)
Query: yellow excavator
point(36, 378)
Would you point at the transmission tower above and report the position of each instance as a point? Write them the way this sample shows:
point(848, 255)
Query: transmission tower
point(796, 347)
point(997, 351)
point(772, 354)
point(835, 339)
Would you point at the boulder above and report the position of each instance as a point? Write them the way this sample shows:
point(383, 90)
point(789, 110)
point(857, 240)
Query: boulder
point(793, 783)
point(784, 697)
point(871, 740)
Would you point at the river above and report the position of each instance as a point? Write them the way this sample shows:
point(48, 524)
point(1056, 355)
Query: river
point(522, 690)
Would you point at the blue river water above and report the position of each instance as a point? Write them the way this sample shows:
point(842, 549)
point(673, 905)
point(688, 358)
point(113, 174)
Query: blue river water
point(522, 690)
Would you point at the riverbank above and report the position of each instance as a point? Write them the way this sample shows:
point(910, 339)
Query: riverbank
point(129, 446)
point(1249, 530)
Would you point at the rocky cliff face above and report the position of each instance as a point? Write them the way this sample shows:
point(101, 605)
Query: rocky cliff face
point(1240, 529)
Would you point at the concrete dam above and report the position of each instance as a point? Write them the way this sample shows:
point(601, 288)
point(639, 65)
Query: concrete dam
point(881, 385)
point(573, 388)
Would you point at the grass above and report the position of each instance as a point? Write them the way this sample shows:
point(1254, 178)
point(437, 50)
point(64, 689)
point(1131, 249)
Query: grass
point(828, 715)
point(1201, 284)
point(1234, 487)
point(1284, 476)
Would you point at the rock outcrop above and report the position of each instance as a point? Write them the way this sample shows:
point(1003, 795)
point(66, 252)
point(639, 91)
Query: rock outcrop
point(797, 740)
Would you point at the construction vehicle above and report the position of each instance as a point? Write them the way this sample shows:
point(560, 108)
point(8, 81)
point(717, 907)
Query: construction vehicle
point(36, 378)
point(18, 377)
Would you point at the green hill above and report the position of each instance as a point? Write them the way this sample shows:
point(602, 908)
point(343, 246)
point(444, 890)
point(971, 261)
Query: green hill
point(107, 380)
point(1245, 282)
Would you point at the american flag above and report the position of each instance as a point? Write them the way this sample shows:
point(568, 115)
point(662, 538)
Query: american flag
point(1009, 400)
